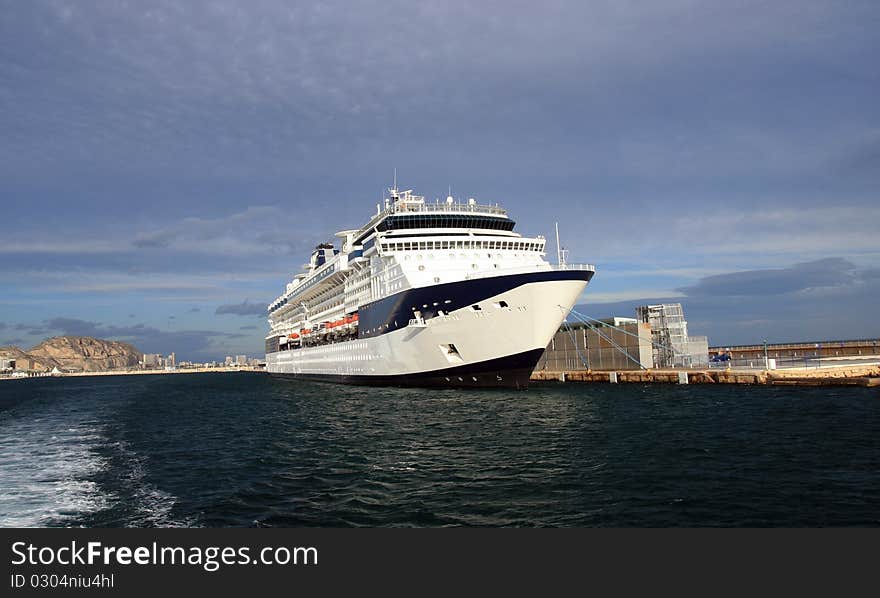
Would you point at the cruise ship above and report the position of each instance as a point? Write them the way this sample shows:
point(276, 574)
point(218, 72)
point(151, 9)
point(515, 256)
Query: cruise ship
point(440, 293)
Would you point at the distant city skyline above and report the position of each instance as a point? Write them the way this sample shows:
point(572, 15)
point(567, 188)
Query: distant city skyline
point(167, 167)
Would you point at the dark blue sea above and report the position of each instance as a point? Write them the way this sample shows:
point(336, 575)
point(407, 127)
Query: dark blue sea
point(244, 449)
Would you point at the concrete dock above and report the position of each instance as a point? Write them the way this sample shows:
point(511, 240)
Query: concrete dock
point(844, 375)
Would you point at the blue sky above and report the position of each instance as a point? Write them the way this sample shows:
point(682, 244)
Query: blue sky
point(166, 166)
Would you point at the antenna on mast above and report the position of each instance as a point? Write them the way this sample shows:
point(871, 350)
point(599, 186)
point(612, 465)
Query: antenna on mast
point(395, 179)
point(560, 252)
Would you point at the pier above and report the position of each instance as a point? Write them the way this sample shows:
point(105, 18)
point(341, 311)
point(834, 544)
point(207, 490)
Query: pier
point(867, 374)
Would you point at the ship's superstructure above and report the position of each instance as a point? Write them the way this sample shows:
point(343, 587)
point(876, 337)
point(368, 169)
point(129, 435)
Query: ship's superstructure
point(424, 294)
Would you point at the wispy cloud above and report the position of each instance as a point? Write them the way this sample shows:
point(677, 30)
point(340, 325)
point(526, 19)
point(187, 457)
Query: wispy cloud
point(829, 272)
point(242, 309)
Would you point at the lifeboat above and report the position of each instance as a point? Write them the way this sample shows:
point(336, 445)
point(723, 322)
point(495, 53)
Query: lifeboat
point(293, 335)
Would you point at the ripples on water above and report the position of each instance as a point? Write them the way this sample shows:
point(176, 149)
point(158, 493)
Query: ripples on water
point(247, 450)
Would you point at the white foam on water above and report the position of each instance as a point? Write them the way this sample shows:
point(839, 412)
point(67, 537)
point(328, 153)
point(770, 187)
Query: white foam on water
point(46, 462)
point(152, 506)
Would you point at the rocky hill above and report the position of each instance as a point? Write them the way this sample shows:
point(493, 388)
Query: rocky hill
point(23, 361)
point(75, 353)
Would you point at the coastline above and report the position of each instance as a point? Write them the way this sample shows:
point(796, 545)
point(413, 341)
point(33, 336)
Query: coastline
point(243, 368)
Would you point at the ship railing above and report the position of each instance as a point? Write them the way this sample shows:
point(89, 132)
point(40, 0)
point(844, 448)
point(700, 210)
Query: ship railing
point(589, 267)
point(529, 269)
point(431, 207)
point(447, 207)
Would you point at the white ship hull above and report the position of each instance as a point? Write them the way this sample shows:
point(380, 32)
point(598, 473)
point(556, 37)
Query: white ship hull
point(496, 344)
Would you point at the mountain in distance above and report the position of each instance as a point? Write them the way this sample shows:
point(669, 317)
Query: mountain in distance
point(75, 353)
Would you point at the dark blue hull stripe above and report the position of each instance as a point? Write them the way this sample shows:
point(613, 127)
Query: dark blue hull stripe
point(394, 312)
point(512, 371)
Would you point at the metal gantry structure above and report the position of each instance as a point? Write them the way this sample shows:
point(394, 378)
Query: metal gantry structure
point(597, 326)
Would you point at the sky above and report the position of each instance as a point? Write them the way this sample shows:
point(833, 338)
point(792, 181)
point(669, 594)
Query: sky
point(166, 166)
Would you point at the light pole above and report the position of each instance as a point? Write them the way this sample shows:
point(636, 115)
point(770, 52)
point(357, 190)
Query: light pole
point(766, 361)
